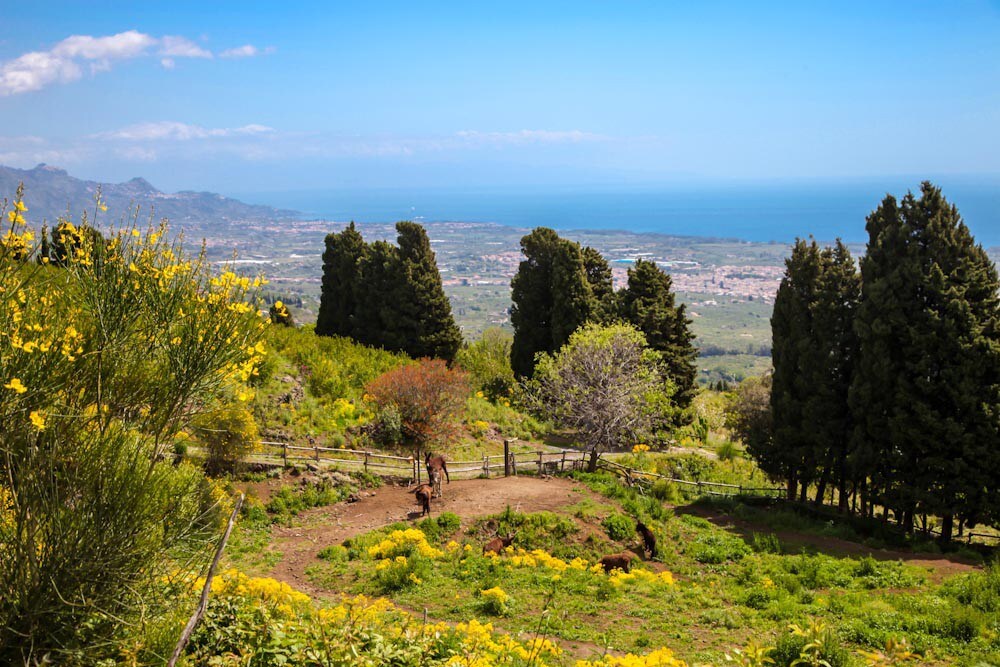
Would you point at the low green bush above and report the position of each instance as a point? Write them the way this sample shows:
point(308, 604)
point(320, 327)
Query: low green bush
point(620, 527)
point(716, 548)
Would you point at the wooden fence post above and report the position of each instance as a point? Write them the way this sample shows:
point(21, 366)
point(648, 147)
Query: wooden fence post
point(506, 458)
point(486, 466)
point(562, 464)
point(366, 462)
point(284, 453)
point(540, 463)
point(416, 461)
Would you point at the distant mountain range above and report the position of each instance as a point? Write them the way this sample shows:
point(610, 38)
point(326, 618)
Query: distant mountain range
point(50, 192)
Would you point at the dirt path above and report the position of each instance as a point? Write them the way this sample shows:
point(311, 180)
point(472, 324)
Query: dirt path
point(469, 499)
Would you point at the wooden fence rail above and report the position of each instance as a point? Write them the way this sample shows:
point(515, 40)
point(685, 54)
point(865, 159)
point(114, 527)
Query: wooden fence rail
point(408, 467)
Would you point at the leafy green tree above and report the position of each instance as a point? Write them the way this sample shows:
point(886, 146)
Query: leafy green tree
point(926, 385)
point(748, 414)
point(488, 363)
point(648, 302)
point(424, 312)
point(551, 297)
point(341, 278)
point(605, 385)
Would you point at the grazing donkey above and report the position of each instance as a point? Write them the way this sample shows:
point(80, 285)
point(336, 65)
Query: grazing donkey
point(423, 494)
point(498, 544)
point(622, 561)
point(648, 539)
point(435, 466)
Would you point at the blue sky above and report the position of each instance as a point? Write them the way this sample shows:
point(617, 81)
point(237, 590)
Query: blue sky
point(242, 96)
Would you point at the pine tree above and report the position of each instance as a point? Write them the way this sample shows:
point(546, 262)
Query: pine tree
point(424, 319)
point(551, 297)
point(341, 277)
point(648, 302)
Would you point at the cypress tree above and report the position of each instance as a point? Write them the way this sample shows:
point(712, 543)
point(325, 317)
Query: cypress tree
point(827, 413)
point(341, 277)
point(648, 302)
point(926, 388)
point(375, 321)
point(424, 319)
point(550, 296)
point(601, 286)
point(796, 360)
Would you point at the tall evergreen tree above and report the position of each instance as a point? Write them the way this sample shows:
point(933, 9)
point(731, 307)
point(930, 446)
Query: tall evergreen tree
point(648, 302)
point(796, 359)
point(929, 372)
point(602, 288)
point(827, 413)
point(551, 297)
point(375, 321)
point(424, 318)
point(341, 277)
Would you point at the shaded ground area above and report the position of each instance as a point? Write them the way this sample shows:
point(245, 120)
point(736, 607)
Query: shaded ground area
point(939, 566)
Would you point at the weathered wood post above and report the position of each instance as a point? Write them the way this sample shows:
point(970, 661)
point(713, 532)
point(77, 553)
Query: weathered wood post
point(540, 463)
point(366, 462)
point(284, 453)
point(506, 458)
point(562, 464)
point(316, 449)
point(486, 466)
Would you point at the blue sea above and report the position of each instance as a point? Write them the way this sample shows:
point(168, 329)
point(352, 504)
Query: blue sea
point(752, 213)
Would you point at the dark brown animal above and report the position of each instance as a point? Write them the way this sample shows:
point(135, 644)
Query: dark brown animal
point(435, 466)
point(622, 561)
point(498, 544)
point(423, 494)
point(648, 539)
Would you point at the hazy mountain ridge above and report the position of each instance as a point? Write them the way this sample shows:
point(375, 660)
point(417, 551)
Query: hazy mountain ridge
point(51, 192)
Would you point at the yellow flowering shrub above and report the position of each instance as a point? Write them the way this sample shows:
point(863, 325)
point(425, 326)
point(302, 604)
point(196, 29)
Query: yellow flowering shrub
point(404, 543)
point(106, 353)
point(495, 601)
point(663, 657)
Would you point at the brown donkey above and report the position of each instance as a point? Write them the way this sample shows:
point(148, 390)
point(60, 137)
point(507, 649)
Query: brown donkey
point(435, 466)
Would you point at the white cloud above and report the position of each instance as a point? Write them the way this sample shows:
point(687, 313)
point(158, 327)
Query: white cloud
point(181, 47)
point(246, 51)
point(529, 137)
point(174, 131)
point(67, 60)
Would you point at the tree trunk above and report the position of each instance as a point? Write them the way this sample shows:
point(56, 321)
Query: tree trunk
point(821, 488)
point(947, 521)
point(592, 465)
point(804, 492)
point(791, 488)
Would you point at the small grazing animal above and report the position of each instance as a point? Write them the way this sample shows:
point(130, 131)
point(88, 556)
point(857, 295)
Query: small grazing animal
point(498, 544)
point(423, 494)
point(648, 539)
point(622, 561)
point(435, 466)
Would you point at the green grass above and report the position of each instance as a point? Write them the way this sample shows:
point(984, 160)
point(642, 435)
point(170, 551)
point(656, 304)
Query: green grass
point(730, 588)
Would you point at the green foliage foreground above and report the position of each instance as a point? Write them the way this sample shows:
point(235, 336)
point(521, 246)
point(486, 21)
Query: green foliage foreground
point(102, 361)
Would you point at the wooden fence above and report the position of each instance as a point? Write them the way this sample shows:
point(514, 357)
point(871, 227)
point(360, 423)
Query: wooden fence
point(412, 469)
point(644, 478)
